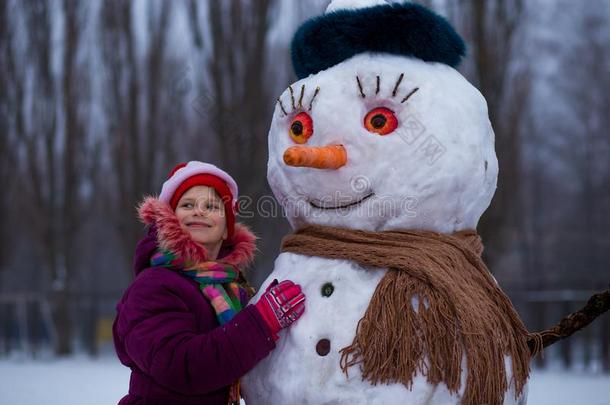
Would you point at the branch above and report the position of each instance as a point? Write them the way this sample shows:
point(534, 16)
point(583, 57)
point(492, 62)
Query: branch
point(194, 21)
point(597, 305)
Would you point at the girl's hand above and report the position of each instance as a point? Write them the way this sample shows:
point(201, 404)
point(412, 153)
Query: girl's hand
point(281, 305)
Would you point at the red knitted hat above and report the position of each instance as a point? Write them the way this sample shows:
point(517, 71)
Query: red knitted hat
point(187, 175)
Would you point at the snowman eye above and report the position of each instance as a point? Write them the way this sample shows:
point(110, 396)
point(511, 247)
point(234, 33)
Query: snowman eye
point(381, 121)
point(301, 128)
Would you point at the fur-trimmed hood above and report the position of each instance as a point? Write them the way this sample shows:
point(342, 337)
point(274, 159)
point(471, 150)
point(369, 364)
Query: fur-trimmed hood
point(239, 251)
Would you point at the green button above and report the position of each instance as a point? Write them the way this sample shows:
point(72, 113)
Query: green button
point(327, 289)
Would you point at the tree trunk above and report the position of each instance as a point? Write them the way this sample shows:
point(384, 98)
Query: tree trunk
point(63, 324)
point(491, 25)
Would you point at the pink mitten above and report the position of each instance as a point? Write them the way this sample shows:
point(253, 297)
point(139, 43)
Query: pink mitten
point(281, 305)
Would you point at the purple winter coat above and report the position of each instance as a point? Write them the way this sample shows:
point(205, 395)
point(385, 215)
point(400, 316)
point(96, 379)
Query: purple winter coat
point(167, 332)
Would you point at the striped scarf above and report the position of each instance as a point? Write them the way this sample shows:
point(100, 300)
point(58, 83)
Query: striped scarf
point(217, 281)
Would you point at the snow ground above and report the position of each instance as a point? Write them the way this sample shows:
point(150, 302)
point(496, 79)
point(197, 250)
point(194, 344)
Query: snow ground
point(104, 381)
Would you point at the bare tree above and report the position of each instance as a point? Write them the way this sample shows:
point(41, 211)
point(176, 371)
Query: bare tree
point(53, 146)
point(239, 104)
point(77, 159)
point(156, 70)
point(37, 138)
point(492, 29)
point(237, 70)
point(122, 110)
point(135, 98)
point(7, 150)
point(586, 144)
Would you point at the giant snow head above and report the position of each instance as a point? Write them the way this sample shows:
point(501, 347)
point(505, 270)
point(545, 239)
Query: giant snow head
point(381, 132)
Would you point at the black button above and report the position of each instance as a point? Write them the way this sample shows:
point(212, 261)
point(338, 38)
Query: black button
point(323, 347)
point(327, 289)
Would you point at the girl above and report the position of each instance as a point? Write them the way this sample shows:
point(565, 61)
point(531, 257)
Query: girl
point(183, 326)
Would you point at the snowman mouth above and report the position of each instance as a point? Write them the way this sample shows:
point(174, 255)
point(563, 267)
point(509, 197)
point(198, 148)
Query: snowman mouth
point(324, 206)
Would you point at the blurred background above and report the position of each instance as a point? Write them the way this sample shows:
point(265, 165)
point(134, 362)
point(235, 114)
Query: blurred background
point(99, 99)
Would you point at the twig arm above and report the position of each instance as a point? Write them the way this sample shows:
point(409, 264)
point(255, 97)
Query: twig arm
point(597, 305)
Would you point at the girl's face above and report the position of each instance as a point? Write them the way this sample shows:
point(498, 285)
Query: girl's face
point(202, 214)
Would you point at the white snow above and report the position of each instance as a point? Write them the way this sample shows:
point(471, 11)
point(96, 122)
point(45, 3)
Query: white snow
point(562, 387)
point(77, 380)
point(104, 381)
point(334, 318)
point(336, 5)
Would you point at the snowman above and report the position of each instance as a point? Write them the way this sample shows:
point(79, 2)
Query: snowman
point(382, 156)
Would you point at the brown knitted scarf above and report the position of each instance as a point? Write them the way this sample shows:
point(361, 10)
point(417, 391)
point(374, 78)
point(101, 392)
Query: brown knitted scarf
point(461, 312)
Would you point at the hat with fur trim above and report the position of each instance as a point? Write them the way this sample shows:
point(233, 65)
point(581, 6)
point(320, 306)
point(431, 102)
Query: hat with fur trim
point(351, 27)
point(194, 173)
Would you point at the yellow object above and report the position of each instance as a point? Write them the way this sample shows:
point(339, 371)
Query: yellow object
point(103, 329)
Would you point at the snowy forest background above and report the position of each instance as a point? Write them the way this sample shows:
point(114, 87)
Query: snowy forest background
point(99, 99)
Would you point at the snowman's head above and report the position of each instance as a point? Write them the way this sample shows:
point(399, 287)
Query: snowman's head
point(381, 141)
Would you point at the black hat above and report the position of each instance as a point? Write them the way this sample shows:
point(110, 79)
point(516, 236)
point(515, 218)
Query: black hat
point(400, 29)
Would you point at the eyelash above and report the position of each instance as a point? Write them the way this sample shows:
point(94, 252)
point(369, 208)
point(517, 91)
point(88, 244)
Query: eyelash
point(300, 106)
point(394, 90)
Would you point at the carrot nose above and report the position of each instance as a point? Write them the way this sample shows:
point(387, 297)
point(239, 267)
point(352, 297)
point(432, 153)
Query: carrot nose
point(318, 157)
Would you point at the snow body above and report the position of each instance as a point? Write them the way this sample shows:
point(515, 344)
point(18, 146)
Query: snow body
point(294, 373)
point(437, 171)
